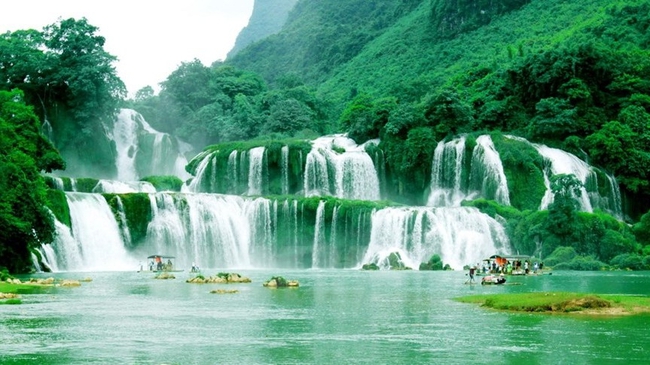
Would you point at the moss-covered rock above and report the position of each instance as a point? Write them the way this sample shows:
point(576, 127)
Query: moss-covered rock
point(434, 263)
point(280, 282)
point(58, 204)
point(136, 208)
point(164, 183)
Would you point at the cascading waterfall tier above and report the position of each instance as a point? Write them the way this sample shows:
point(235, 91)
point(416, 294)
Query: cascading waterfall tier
point(455, 177)
point(460, 235)
point(331, 166)
point(143, 151)
point(337, 166)
point(94, 243)
point(243, 231)
point(599, 190)
point(101, 186)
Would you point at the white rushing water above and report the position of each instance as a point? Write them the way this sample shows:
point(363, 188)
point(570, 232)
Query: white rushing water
point(449, 186)
point(255, 171)
point(337, 166)
point(94, 243)
point(562, 162)
point(165, 155)
point(461, 236)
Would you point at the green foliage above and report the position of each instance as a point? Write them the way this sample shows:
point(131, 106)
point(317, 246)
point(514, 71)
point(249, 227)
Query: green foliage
point(523, 168)
point(136, 208)
point(581, 263)
point(449, 18)
point(85, 185)
point(434, 263)
point(25, 220)
point(221, 103)
point(364, 117)
point(68, 77)
point(408, 164)
point(566, 258)
point(164, 183)
point(561, 255)
point(58, 204)
point(4, 274)
point(630, 261)
point(642, 229)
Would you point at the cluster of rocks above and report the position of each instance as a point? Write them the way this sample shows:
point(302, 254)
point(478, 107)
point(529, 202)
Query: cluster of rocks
point(9, 296)
point(280, 282)
point(394, 262)
point(224, 291)
point(220, 278)
point(48, 282)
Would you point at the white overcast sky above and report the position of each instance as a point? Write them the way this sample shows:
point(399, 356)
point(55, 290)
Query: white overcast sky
point(149, 37)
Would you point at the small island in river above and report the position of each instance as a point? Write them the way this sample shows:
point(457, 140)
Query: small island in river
point(562, 302)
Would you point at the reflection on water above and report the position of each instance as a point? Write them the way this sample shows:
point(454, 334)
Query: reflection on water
point(335, 317)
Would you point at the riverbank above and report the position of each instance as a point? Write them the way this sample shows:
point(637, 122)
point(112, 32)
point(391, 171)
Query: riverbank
point(563, 302)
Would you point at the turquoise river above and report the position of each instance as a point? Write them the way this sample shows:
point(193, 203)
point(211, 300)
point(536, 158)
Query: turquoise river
point(335, 317)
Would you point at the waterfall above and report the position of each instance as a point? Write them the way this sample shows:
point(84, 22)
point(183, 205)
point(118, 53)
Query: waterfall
point(125, 135)
point(143, 151)
point(197, 183)
point(94, 243)
point(121, 187)
point(48, 132)
point(446, 173)
point(486, 178)
point(165, 148)
point(285, 170)
point(319, 236)
point(337, 166)
point(459, 235)
point(255, 171)
point(233, 174)
point(487, 175)
point(208, 229)
point(561, 162)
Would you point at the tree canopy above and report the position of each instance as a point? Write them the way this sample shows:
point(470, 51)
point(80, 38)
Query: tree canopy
point(25, 222)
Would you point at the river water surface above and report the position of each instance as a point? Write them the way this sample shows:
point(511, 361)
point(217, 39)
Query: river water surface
point(335, 317)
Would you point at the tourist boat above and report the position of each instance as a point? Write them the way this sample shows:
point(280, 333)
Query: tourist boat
point(161, 263)
point(510, 264)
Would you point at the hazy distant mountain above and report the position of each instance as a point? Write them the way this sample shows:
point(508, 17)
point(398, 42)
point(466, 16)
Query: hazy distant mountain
point(268, 18)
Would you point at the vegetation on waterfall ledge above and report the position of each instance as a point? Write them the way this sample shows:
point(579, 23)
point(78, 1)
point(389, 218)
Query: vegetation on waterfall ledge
point(562, 302)
point(164, 183)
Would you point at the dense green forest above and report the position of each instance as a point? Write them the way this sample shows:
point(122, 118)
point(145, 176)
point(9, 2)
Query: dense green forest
point(573, 75)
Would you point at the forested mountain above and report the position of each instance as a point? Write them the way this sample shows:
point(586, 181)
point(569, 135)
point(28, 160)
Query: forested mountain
point(268, 18)
point(570, 74)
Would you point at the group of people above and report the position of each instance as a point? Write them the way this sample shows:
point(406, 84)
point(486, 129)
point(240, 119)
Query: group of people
point(510, 267)
point(157, 262)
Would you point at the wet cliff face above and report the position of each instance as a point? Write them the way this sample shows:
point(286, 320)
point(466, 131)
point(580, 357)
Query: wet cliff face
point(267, 18)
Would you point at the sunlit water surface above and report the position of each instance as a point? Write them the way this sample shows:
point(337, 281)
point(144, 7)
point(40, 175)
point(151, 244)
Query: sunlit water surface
point(335, 317)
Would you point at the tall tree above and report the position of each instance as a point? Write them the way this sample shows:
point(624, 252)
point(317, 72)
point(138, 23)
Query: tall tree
point(25, 221)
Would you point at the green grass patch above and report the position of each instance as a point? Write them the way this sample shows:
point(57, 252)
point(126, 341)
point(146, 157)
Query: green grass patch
point(6, 287)
point(11, 301)
point(562, 302)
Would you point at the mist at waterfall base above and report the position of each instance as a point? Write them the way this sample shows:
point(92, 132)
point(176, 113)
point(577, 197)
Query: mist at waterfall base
point(235, 228)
